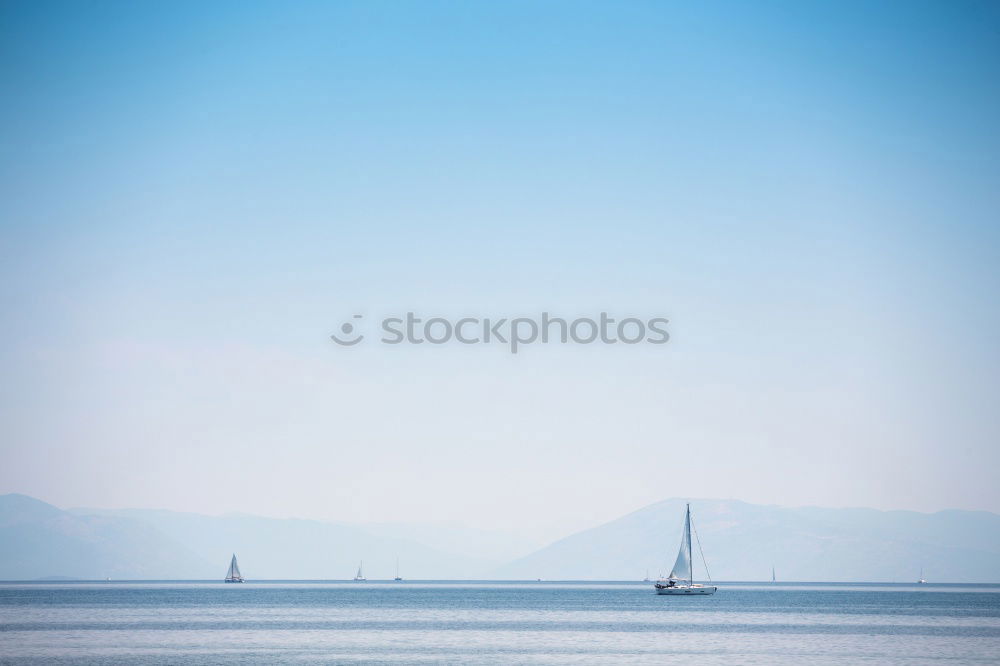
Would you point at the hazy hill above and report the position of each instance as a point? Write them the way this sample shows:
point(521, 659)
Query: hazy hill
point(38, 540)
point(742, 541)
point(274, 548)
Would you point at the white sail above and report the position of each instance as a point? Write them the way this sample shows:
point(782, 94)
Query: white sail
point(234, 570)
point(682, 565)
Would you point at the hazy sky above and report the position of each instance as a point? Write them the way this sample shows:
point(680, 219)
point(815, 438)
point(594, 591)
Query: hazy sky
point(193, 198)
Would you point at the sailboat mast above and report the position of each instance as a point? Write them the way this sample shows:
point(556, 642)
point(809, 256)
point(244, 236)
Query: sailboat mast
point(690, 557)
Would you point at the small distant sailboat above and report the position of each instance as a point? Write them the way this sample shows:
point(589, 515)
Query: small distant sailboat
point(646, 578)
point(397, 578)
point(360, 577)
point(234, 575)
point(921, 580)
point(684, 568)
point(772, 575)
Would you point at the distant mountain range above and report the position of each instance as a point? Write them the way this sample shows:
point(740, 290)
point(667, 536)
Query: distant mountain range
point(39, 540)
point(741, 542)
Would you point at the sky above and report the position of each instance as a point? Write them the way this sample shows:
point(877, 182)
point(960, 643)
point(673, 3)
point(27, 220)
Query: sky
point(195, 196)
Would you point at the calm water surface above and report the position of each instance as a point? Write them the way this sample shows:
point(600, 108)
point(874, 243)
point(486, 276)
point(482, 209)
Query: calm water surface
point(470, 623)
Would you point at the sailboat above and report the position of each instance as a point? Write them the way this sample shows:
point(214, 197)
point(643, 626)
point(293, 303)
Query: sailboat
point(234, 575)
point(772, 574)
point(681, 578)
point(360, 576)
point(921, 580)
point(397, 578)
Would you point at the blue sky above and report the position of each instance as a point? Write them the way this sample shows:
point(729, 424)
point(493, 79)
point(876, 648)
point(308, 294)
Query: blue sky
point(193, 196)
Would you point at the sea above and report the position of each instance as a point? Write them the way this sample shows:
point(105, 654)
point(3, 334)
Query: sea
point(494, 622)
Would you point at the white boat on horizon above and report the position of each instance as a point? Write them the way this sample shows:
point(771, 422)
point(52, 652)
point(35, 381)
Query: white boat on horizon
point(681, 578)
point(360, 577)
point(234, 575)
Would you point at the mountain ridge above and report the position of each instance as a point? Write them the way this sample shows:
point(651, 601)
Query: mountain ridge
point(741, 541)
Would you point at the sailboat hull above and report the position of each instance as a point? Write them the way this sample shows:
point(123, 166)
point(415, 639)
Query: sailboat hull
point(684, 590)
